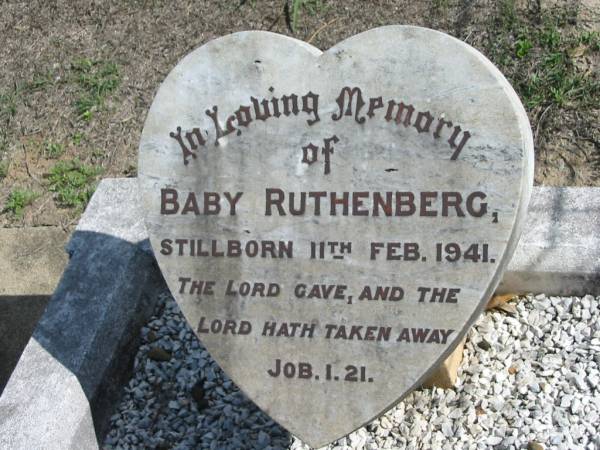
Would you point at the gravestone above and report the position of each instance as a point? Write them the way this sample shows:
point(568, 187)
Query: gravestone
point(331, 223)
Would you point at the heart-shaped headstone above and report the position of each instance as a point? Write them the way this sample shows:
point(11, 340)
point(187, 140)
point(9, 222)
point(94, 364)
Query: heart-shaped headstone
point(331, 223)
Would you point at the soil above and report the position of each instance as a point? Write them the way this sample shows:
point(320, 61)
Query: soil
point(42, 43)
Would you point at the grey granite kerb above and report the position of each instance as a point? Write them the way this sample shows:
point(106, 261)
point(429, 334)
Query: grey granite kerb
point(69, 376)
point(559, 250)
point(64, 387)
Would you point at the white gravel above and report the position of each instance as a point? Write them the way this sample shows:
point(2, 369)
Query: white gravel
point(527, 378)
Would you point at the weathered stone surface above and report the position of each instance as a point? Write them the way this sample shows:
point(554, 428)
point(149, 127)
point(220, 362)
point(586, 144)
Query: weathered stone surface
point(28, 251)
point(44, 405)
point(559, 252)
point(371, 150)
point(70, 372)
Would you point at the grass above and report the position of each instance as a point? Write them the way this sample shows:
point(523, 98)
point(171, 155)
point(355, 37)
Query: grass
point(540, 60)
point(440, 5)
point(8, 105)
point(77, 138)
point(312, 6)
point(18, 199)
point(3, 169)
point(73, 182)
point(96, 80)
point(98, 153)
point(3, 141)
point(522, 47)
point(590, 38)
point(39, 82)
point(53, 150)
point(8, 109)
point(10, 98)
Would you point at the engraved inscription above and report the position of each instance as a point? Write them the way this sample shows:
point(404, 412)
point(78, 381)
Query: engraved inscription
point(331, 222)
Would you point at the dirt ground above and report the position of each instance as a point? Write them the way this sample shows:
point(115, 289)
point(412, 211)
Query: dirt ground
point(78, 78)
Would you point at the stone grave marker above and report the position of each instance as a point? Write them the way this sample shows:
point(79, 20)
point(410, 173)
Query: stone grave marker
point(331, 223)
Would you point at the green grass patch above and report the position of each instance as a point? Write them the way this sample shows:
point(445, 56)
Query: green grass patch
point(77, 138)
point(8, 105)
point(39, 82)
point(440, 4)
point(522, 47)
point(590, 38)
point(73, 182)
point(538, 56)
point(53, 150)
point(96, 80)
point(18, 199)
point(3, 169)
point(311, 6)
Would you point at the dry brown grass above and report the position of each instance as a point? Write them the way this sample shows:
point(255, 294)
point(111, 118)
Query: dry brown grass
point(46, 47)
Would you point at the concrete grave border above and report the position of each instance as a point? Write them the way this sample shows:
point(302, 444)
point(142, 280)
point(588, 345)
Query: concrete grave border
point(69, 377)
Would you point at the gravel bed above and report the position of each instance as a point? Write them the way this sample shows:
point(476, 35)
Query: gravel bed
point(529, 379)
